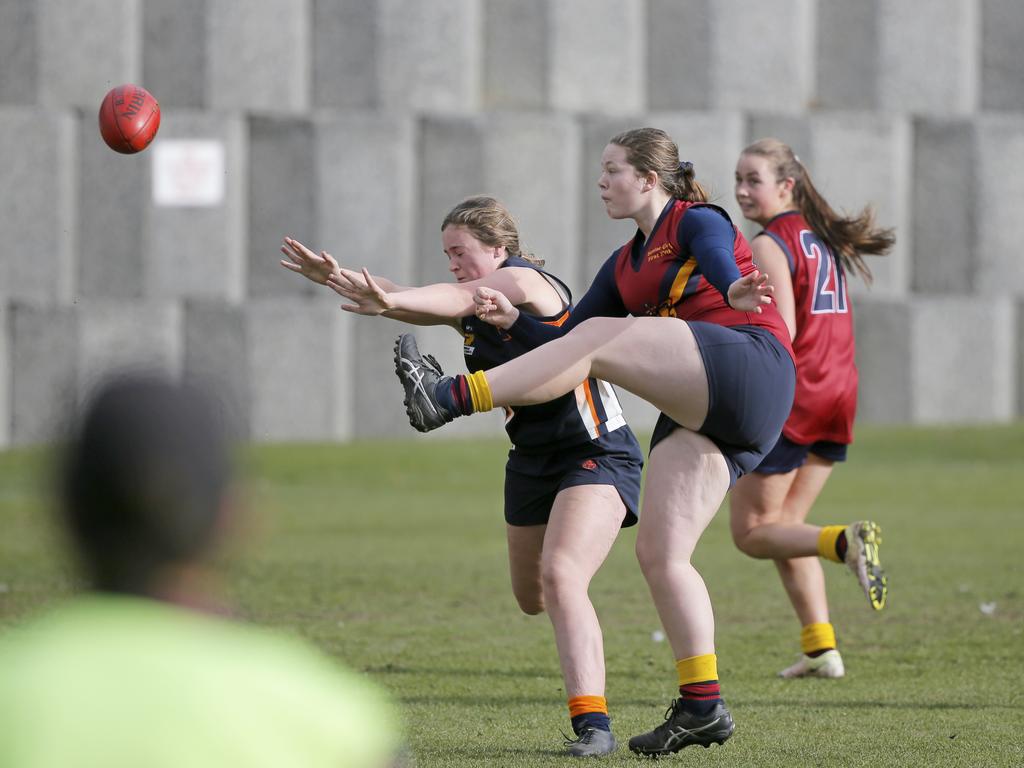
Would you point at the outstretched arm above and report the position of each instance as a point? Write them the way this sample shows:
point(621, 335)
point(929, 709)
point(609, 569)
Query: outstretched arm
point(442, 300)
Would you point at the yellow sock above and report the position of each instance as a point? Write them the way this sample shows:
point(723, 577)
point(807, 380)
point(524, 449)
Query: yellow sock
point(827, 542)
point(817, 637)
point(581, 705)
point(479, 392)
point(697, 669)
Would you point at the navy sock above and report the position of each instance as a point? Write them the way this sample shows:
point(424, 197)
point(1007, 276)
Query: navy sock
point(452, 394)
point(596, 720)
point(700, 698)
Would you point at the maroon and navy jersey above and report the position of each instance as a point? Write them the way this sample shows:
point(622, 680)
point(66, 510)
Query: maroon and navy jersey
point(663, 276)
point(589, 414)
point(684, 269)
point(826, 377)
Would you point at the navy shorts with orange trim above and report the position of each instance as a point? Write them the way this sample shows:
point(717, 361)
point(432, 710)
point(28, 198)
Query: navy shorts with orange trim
point(533, 482)
point(751, 380)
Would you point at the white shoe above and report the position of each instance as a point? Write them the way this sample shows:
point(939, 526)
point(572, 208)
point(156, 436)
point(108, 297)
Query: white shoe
point(828, 664)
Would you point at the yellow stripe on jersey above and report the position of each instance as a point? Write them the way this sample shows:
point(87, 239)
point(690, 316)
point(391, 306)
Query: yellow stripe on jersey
point(675, 294)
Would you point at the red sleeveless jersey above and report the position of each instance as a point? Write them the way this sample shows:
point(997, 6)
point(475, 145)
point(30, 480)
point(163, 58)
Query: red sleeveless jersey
point(661, 278)
point(826, 377)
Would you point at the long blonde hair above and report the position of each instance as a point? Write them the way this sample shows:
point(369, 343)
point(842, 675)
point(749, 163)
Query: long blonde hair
point(849, 236)
point(490, 222)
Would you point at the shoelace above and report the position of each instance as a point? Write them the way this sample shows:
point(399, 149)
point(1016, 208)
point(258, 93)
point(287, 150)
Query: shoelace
point(584, 737)
point(432, 362)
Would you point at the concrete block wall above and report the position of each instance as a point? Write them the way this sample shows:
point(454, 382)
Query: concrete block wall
point(354, 125)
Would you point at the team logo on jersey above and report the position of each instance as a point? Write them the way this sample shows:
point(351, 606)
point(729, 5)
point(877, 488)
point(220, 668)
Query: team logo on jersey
point(467, 343)
point(663, 250)
point(589, 464)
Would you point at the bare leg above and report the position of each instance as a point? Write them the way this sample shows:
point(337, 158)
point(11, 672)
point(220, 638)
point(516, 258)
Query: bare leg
point(525, 543)
point(687, 478)
point(767, 520)
point(584, 523)
point(655, 358)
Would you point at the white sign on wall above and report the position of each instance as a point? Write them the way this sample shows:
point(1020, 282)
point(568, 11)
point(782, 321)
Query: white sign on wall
point(188, 172)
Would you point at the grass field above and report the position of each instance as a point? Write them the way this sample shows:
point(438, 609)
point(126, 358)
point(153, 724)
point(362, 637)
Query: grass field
point(391, 557)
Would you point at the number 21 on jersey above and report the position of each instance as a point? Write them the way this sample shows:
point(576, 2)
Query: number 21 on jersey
point(829, 281)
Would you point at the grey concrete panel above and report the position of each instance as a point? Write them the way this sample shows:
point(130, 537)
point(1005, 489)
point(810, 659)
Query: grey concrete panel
point(678, 49)
point(216, 355)
point(1020, 359)
point(86, 47)
point(885, 350)
point(200, 251)
point(282, 200)
point(299, 369)
point(1002, 66)
point(43, 370)
point(971, 376)
point(943, 218)
point(597, 57)
point(861, 159)
point(6, 373)
point(928, 58)
point(847, 60)
point(345, 54)
point(999, 200)
point(762, 55)
point(174, 64)
point(429, 55)
point(451, 168)
point(37, 215)
point(112, 196)
point(258, 55)
point(366, 181)
point(115, 335)
point(532, 165)
point(19, 41)
point(516, 51)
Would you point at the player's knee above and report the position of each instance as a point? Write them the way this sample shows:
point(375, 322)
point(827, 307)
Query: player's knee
point(560, 578)
point(531, 601)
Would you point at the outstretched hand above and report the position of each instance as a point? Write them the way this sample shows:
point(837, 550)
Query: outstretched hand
point(367, 297)
point(317, 268)
point(751, 293)
point(494, 307)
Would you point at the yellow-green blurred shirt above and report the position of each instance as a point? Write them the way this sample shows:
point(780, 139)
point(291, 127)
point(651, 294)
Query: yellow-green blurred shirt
point(112, 681)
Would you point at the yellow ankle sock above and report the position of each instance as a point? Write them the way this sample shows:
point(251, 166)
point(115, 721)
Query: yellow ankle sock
point(479, 392)
point(827, 542)
point(817, 637)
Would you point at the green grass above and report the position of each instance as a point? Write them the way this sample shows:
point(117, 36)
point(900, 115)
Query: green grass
point(391, 557)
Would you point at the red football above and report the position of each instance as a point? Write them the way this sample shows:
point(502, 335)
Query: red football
point(129, 118)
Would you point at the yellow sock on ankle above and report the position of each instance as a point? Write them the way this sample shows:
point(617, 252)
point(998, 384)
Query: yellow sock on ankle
point(479, 392)
point(827, 542)
point(817, 637)
point(697, 669)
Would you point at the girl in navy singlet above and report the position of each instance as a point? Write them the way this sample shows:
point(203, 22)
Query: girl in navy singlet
point(809, 251)
point(573, 474)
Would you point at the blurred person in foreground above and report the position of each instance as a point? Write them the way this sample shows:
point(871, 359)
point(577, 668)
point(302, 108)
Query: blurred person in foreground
point(143, 668)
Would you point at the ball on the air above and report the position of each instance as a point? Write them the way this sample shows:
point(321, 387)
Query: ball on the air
point(129, 118)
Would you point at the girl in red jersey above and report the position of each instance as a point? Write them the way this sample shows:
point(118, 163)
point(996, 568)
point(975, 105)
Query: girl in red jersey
point(572, 479)
point(808, 249)
point(680, 316)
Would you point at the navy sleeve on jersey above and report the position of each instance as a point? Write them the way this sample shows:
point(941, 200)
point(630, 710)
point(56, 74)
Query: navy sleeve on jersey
point(602, 299)
point(708, 234)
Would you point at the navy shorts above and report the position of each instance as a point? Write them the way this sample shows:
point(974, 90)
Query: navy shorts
point(787, 455)
point(751, 380)
point(531, 483)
